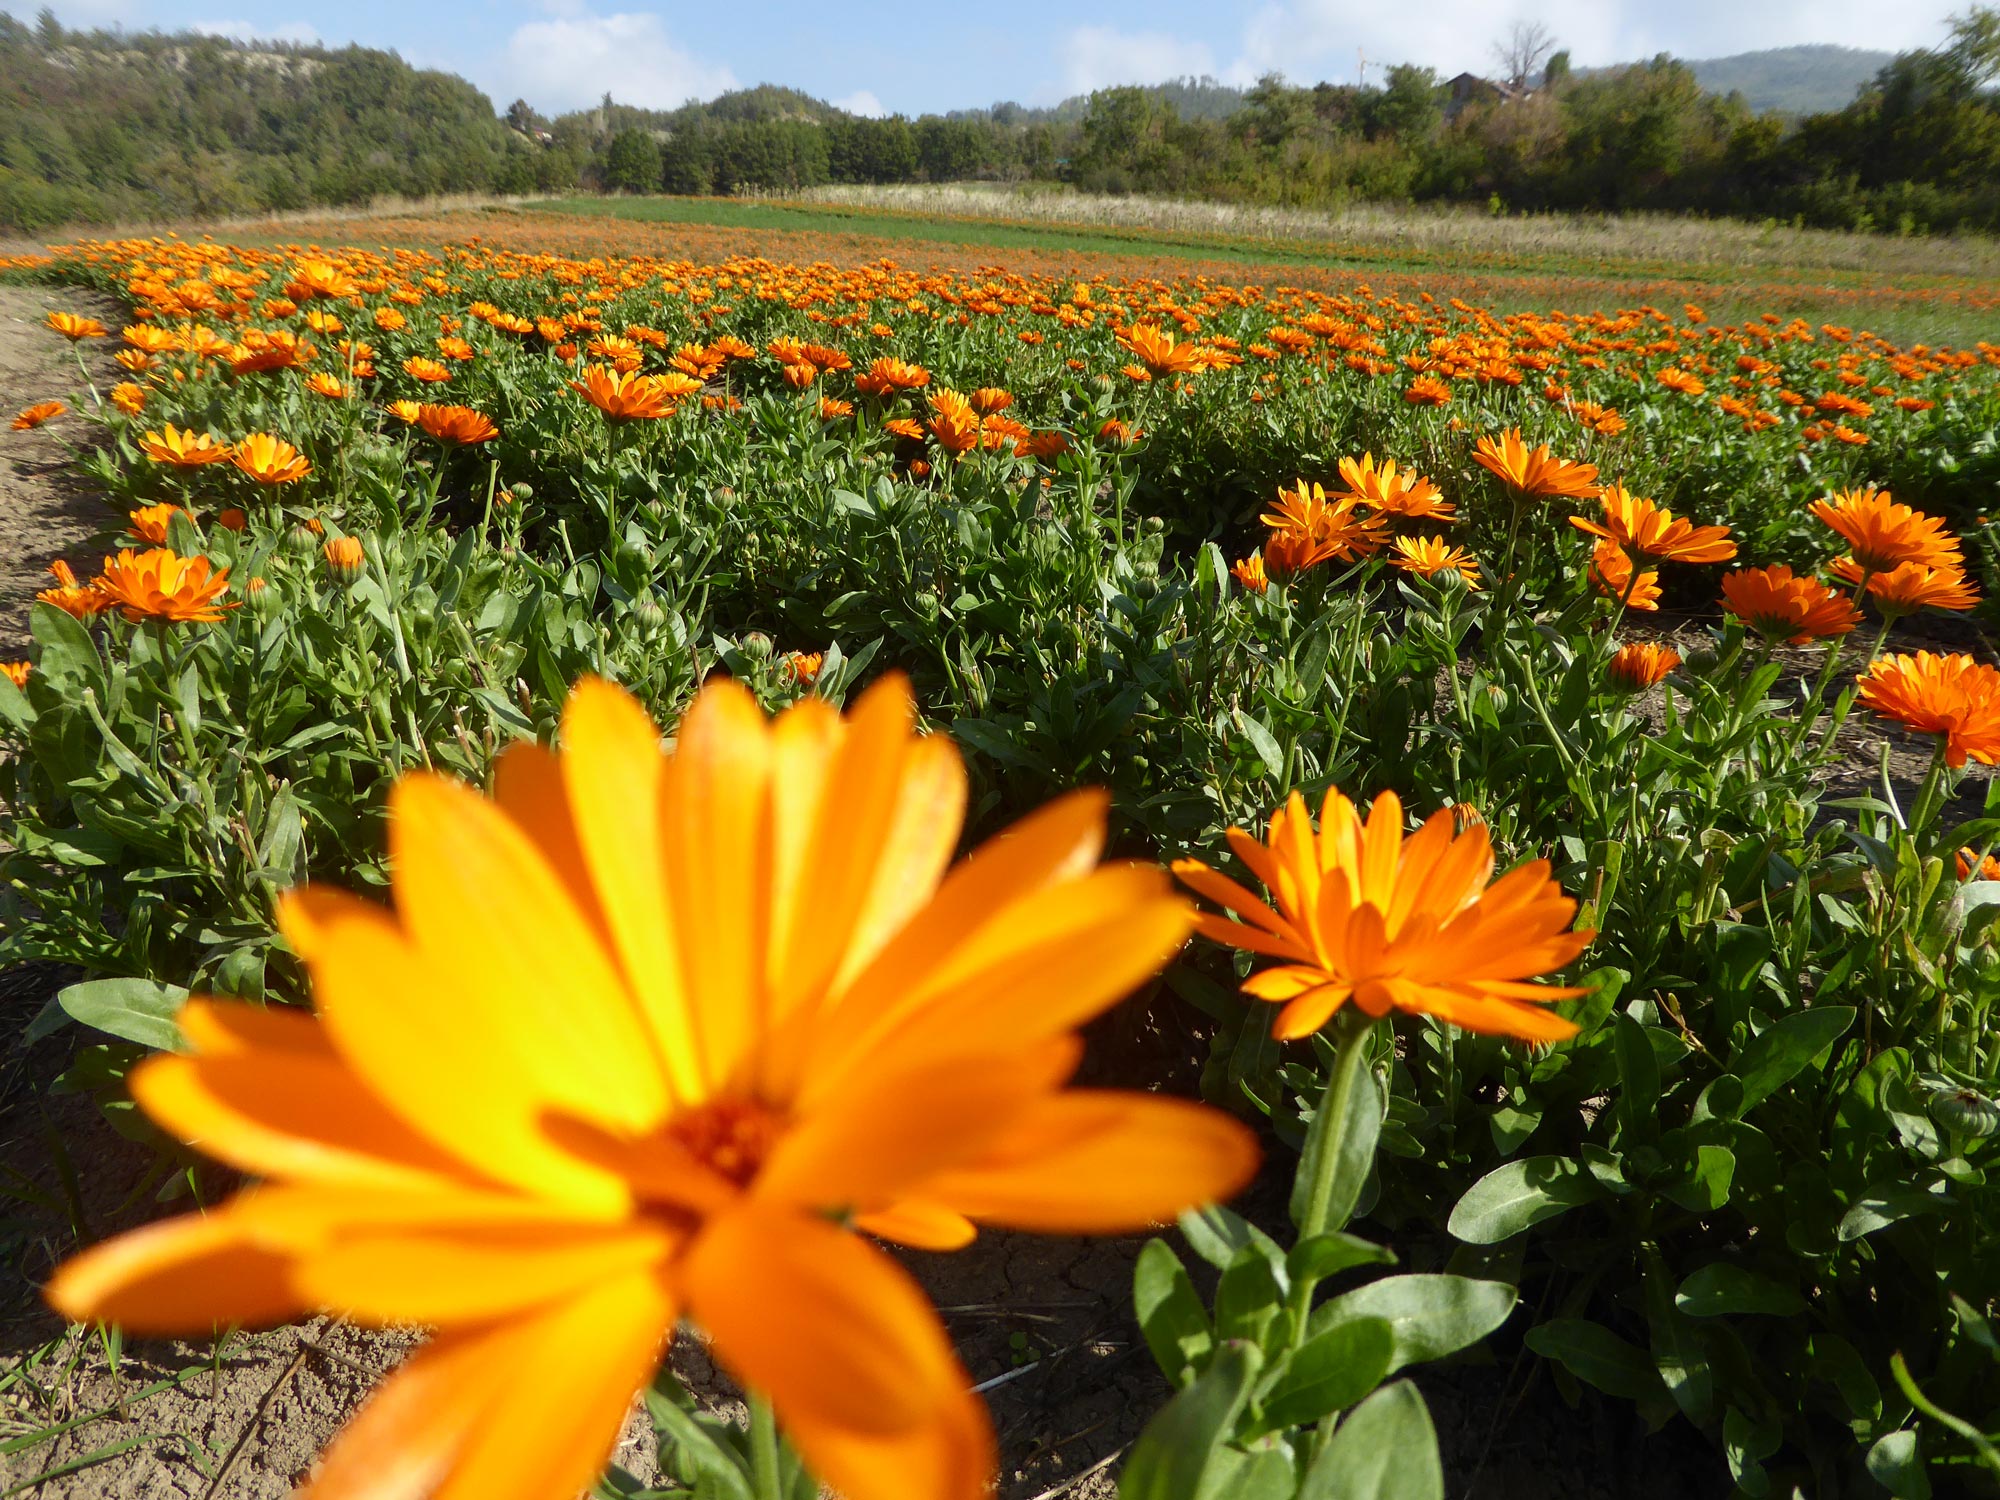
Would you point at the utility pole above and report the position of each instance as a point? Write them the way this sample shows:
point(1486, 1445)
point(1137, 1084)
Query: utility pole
point(1360, 69)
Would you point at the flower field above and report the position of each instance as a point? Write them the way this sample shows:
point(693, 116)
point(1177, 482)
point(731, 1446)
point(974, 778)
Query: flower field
point(1533, 764)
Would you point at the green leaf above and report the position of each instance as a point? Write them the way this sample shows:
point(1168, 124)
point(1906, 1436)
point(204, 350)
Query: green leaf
point(1330, 1373)
point(68, 653)
point(691, 1448)
point(1432, 1315)
point(1263, 742)
point(1171, 1316)
point(1250, 1296)
point(1385, 1450)
point(1767, 1062)
point(1183, 1449)
point(1680, 1353)
point(133, 1010)
point(1720, 1290)
point(1896, 1463)
point(1639, 1074)
point(1594, 1354)
point(1216, 1234)
point(1512, 1197)
point(1882, 1210)
point(1311, 1261)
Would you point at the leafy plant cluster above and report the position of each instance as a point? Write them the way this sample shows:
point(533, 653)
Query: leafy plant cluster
point(1751, 1195)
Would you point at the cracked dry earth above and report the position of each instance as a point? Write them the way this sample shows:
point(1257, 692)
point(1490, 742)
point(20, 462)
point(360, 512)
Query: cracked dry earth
point(1044, 1325)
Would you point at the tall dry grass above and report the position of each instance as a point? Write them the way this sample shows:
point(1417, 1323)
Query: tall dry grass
point(1448, 231)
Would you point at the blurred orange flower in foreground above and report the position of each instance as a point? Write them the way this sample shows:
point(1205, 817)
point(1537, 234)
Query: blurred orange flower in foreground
point(729, 998)
point(1366, 915)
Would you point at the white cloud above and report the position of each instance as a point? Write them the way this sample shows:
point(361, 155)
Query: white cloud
point(861, 102)
point(570, 60)
point(256, 31)
point(1096, 57)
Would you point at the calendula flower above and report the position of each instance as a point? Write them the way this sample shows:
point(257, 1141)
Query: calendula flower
point(1913, 586)
point(183, 449)
point(76, 329)
point(953, 422)
point(269, 460)
point(624, 397)
point(82, 600)
point(1611, 573)
point(729, 1001)
point(150, 523)
point(831, 410)
point(886, 376)
point(318, 278)
point(1988, 866)
point(1534, 472)
point(460, 426)
point(1427, 390)
point(1250, 573)
point(990, 400)
point(405, 411)
point(1335, 525)
point(1406, 494)
point(344, 559)
point(1679, 380)
point(1429, 556)
point(803, 666)
point(161, 585)
point(232, 518)
point(1160, 353)
point(1638, 525)
point(427, 370)
point(322, 384)
point(28, 418)
point(1637, 665)
point(1884, 534)
point(1414, 924)
point(1783, 606)
point(1953, 697)
point(128, 398)
point(16, 672)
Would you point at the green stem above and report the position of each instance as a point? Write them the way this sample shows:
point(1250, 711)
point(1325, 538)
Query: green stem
point(764, 1482)
point(1350, 1038)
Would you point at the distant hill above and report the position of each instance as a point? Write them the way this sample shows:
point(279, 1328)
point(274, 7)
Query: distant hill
point(1792, 80)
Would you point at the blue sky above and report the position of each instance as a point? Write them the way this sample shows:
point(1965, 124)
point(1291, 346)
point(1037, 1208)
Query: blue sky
point(911, 57)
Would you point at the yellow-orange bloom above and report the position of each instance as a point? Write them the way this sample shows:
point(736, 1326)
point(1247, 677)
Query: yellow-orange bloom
point(1989, 866)
point(1953, 696)
point(1781, 605)
point(1429, 556)
point(75, 329)
point(1885, 534)
point(1336, 526)
point(1160, 353)
point(129, 398)
point(344, 558)
point(269, 460)
point(1639, 664)
point(1391, 493)
point(953, 422)
point(1427, 390)
point(1250, 573)
point(459, 425)
point(427, 370)
point(28, 418)
point(150, 522)
point(1913, 586)
point(1638, 525)
point(332, 387)
point(1393, 923)
point(16, 672)
point(886, 376)
point(161, 585)
point(1534, 471)
point(990, 400)
point(804, 666)
point(1680, 380)
point(1611, 572)
point(82, 600)
point(729, 999)
point(624, 397)
point(318, 278)
point(183, 449)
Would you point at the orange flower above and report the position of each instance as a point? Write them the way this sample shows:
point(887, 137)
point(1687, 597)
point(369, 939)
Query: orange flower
point(1906, 589)
point(183, 449)
point(318, 278)
point(1637, 524)
point(1160, 353)
point(1429, 556)
point(989, 400)
point(427, 370)
point(322, 384)
point(458, 425)
point(83, 600)
point(1427, 390)
point(31, 417)
point(344, 559)
point(1954, 697)
point(953, 422)
point(1250, 573)
point(1884, 534)
point(150, 523)
point(1679, 380)
point(1639, 664)
point(1989, 866)
point(160, 585)
point(405, 411)
point(1611, 572)
point(1337, 526)
point(1534, 472)
point(75, 329)
point(1780, 605)
point(231, 519)
point(886, 376)
point(803, 666)
point(1365, 914)
point(625, 397)
point(269, 460)
point(1391, 493)
point(831, 410)
point(730, 1001)
point(16, 672)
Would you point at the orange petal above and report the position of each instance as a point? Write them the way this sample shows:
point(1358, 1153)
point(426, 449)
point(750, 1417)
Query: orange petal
point(181, 1275)
point(528, 786)
point(215, 1028)
point(1089, 1162)
point(950, 1457)
point(1306, 1013)
point(920, 1224)
point(831, 1330)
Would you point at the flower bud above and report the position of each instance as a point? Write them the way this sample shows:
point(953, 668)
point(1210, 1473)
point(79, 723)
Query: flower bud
point(757, 646)
point(344, 559)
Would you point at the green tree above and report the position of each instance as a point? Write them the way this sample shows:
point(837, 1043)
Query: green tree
point(632, 165)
